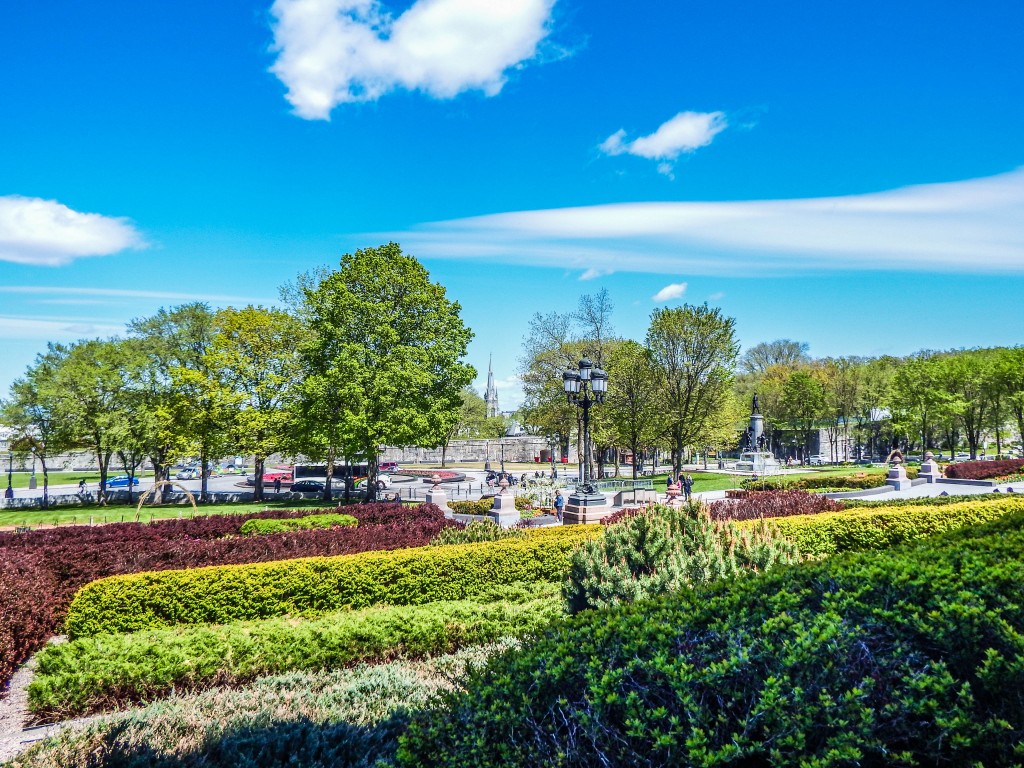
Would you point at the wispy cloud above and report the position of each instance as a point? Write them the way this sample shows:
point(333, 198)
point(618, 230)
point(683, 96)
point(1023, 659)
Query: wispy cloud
point(593, 274)
point(333, 52)
point(127, 293)
point(47, 233)
point(716, 296)
point(55, 329)
point(684, 133)
point(669, 292)
point(965, 226)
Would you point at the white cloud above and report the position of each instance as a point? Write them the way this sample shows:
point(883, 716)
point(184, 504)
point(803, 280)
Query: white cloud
point(593, 274)
point(333, 52)
point(126, 293)
point(964, 226)
point(46, 233)
point(55, 329)
point(716, 296)
point(686, 132)
point(669, 292)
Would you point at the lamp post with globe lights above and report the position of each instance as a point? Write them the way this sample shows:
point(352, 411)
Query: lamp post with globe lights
point(584, 387)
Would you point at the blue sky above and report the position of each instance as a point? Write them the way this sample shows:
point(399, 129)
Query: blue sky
point(843, 174)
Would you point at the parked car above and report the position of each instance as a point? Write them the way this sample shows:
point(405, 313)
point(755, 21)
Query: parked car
point(818, 459)
point(308, 486)
point(389, 466)
point(121, 481)
point(187, 474)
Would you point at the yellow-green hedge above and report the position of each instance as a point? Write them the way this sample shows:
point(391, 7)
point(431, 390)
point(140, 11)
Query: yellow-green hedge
point(858, 530)
point(315, 585)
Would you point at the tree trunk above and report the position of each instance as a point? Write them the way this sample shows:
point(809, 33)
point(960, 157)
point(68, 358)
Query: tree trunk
point(444, 454)
point(371, 479)
point(257, 494)
point(205, 478)
point(104, 462)
point(329, 479)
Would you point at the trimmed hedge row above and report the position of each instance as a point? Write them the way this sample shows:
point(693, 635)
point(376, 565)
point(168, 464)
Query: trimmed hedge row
point(859, 530)
point(906, 657)
point(983, 470)
point(311, 586)
point(846, 482)
point(329, 520)
point(40, 571)
point(108, 671)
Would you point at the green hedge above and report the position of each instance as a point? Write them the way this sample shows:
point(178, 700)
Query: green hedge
point(824, 480)
point(858, 530)
point(316, 585)
point(281, 525)
point(906, 657)
point(107, 671)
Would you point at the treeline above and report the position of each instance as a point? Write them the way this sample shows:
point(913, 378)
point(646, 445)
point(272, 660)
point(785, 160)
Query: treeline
point(687, 389)
point(365, 355)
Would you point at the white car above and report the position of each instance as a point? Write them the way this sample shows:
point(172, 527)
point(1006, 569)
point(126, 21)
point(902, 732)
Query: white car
point(818, 460)
point(187, 474)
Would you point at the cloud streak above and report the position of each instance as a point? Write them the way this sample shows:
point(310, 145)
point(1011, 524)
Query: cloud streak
point(333, 52)
point(965, 226)
point(55, 329)
point(46, 233)
point(670, 292)
point(126, 293)
point(685, 133)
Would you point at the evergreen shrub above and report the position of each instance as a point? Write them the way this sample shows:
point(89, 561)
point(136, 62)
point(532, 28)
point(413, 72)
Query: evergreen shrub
point(475, 531)
point(906, 657)
point(664, 548)
point(311, 586)
point(329, 520)
point(100, 673)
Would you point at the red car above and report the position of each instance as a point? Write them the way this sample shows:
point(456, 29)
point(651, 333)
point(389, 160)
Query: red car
point(389, 466)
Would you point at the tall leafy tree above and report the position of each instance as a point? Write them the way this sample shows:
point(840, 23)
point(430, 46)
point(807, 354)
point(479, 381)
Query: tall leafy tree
point(33, 413)
point(634, 412)
point(695, 348)
point(254, 361)
point(760, 357)
point(388, 345)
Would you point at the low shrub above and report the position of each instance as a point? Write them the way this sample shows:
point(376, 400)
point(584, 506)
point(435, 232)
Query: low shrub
point(474, 531)
point(664, 548)
point(43, 569)
point(108, 671)
point(859, 481)
point(769, 504)
point(984, 470)
point(486, 504)
point(348, 718)
point(923, 501)
point(859, 530)
point(311, 586)
point(329, 520)
point(908, 657)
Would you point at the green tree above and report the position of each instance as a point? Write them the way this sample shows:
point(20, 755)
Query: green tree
point(633, 410)
point(760, 357)
point(803, 401)
point(389, 344)
point(255, 364)
point(696, 349)
point(34, 416)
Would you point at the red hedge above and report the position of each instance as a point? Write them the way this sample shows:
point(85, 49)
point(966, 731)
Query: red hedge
point(983, 470)
point(40, 571)
point(768, 504)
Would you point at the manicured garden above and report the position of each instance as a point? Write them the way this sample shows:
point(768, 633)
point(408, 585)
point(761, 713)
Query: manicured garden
point(782, 628)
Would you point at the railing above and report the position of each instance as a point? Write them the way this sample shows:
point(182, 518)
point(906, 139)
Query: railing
point(624, 485)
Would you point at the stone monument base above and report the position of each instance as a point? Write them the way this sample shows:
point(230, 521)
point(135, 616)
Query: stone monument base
point(586, 508)
point(440, 498)
point(898, 479)
point(504, 511)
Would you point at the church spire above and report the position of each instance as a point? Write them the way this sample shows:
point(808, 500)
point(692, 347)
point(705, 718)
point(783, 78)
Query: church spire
point(491, 393)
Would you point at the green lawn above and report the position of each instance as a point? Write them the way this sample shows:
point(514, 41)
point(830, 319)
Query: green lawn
point(20, 479)
point(117, 513)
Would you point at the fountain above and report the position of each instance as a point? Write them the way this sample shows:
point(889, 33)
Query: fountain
point(755, 459)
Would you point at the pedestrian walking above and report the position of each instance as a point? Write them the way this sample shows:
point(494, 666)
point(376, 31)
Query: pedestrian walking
point(277, 485)
point(81, 486)
point(559, 504)
point(687, 486)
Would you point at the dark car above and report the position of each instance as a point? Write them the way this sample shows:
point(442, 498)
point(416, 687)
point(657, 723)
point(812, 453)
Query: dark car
point(121, 481)
point(308, 486)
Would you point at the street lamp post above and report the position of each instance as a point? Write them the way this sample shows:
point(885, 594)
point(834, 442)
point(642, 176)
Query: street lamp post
point(551, 450)
point(32, 478)
point(9, 493)
point(583, 388)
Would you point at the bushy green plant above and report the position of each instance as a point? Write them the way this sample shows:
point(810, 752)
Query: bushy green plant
point(906, 657)
point(859, 530)
point(661, 549)
point(108, 671)
point(312, 586)
point(348, 718)
point(923, 501)
point(330, 520)
point(474, 531)
point(471, 507)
